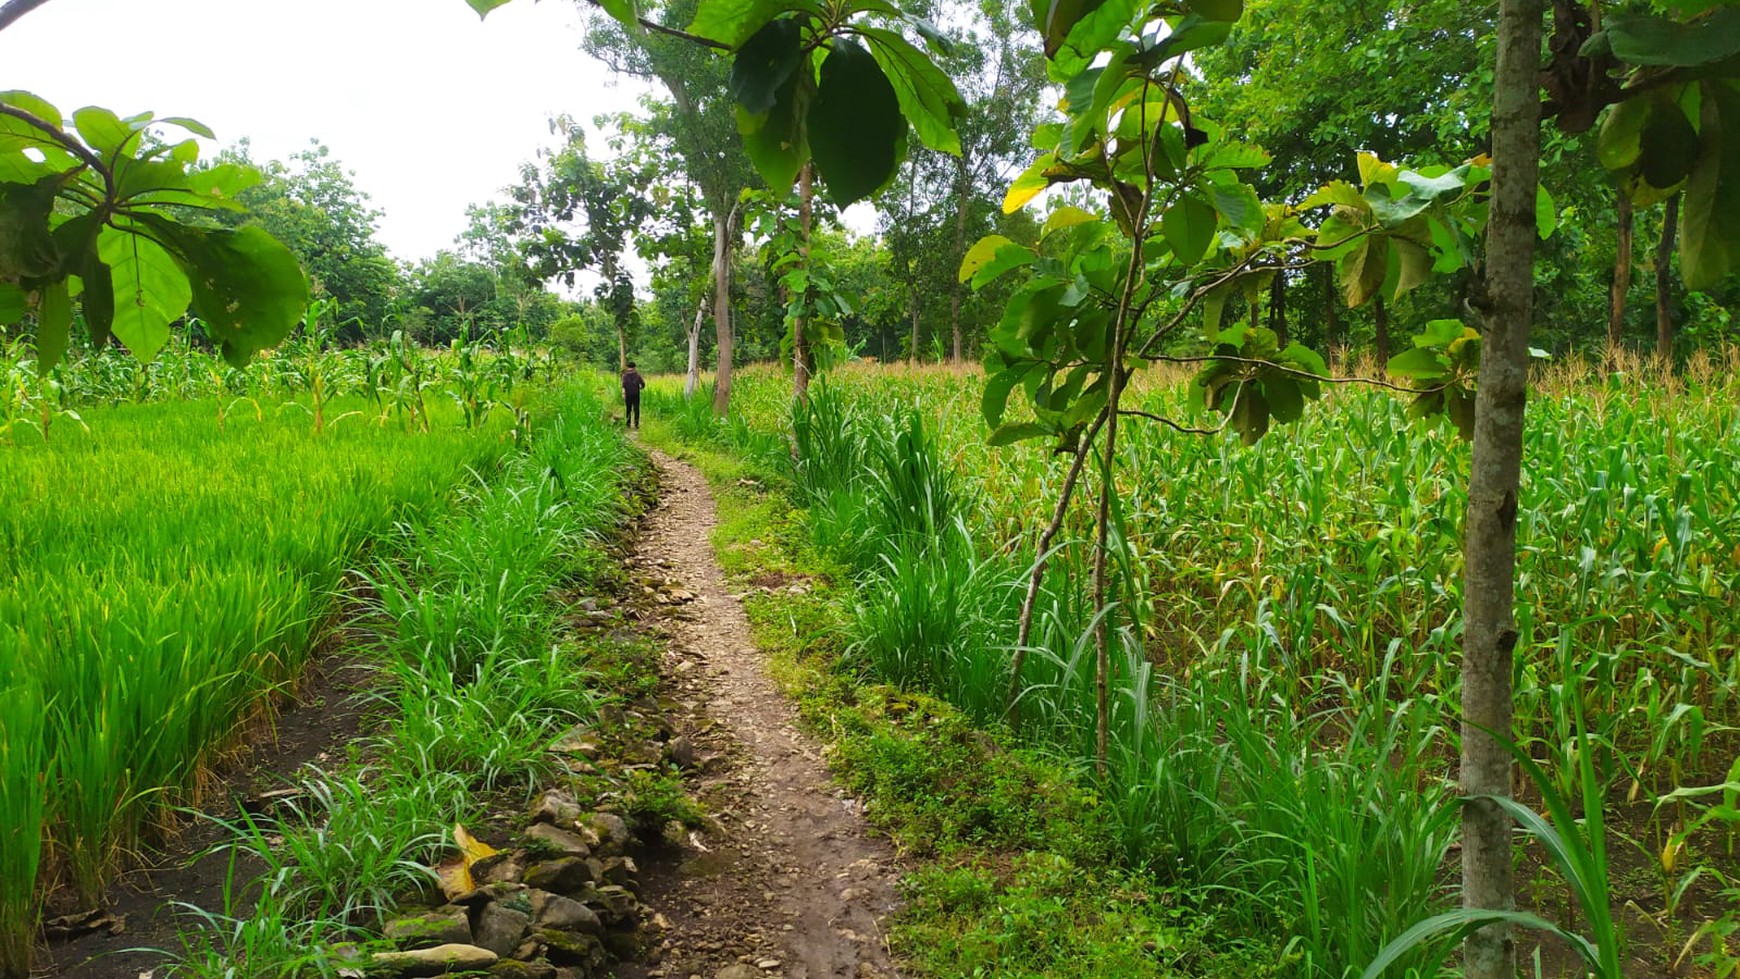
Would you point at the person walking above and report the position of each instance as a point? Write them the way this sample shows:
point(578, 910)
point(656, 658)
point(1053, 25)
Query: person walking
point(632, 384)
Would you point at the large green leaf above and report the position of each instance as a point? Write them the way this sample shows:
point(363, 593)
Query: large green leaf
point(1619, 142)
point(1188, 226)
point(1648, 39)
point(27, 248)
point(1094, 25)
point(928, 98)
point(1227, 10)
point(247, 287)
point(774, 141)
point(1240, 206)
point(1710, 238)
point(37, 106)
point(483, 7)
point(106, 132)
point(733, 22)
point(53, 326)
point(764, 64)
point(855, 127)
point(1363, 269)
point(151, 291)
point(11, 303)
point(97, 301)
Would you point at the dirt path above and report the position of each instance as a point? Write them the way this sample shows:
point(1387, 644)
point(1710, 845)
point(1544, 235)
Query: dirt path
point(792, 886)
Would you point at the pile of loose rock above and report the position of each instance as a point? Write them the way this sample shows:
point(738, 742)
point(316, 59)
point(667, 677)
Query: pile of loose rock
point(561, 904)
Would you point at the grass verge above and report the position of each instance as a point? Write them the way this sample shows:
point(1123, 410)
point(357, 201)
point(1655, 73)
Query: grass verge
point(1015, 869)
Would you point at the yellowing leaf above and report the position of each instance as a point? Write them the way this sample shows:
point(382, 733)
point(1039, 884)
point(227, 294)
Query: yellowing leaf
point(1027, 186)
point(455, 877)
point(981, 252)
point(470, 846)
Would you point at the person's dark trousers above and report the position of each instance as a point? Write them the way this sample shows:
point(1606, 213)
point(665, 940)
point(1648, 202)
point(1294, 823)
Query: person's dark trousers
point(631, 404)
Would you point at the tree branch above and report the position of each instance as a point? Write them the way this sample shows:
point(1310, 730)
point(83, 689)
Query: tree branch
point(651, 25)
point(11, 10)
point(55, 133)
point(1291, 371)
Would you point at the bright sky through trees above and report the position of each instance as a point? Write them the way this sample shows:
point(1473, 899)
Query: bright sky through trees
point(432, 109)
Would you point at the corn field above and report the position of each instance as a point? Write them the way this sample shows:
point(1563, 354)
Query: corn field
point(1283, 722)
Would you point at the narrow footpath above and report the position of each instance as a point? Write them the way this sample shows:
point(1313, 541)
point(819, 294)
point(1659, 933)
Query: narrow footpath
point(791, 886)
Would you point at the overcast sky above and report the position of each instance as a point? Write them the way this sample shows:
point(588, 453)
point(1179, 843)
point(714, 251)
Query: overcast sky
point(431, 108)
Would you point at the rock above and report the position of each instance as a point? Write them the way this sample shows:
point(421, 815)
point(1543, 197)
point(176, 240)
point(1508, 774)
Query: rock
point(644, 753)
point(568, 948)
point(511, 969)
point(614, 904)
point(499, 868)
point(498, 891)
point(564, 914)
point(563, 875)
point(577, 741)
point(500, 929)
point(739, 971)
point(620, 871)
point(557, 807)
point(612, 830)
point(443, 926)
point(559, 840)
point(681, 752)
point(767, 964)
point(438, 961)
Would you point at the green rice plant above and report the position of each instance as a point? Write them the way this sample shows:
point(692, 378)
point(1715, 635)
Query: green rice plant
point(23, 796)
point(164, 578)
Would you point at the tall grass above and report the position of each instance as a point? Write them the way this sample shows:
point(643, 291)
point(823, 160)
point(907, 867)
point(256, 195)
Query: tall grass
point(1288, 617)
point(471, 698)
point(160, 578)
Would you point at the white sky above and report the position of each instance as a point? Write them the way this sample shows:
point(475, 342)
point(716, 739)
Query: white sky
point(430, 107)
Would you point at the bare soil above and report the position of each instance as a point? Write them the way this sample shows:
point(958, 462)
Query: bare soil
point(789, 883)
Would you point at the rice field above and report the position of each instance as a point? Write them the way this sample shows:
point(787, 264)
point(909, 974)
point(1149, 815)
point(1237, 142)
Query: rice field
point(161, 572)
point(1284, 711)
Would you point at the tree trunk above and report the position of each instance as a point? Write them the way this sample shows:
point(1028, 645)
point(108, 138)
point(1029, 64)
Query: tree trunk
point(1331, 310)
point(1489, 551)
point(1382, 337)
point(617, 315)
point(1278, 307)
point(1664, 283)
point(913, 351)
point(963, 198)
point(800, 347)
point(694, 380)
point(1621, 272)
point(722, 222)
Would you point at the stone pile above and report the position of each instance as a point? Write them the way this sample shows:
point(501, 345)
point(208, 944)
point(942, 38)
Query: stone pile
point(561, 904)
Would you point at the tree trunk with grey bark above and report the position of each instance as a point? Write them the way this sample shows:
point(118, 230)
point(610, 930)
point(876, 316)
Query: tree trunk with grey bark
point(1489, 551)
point(1621, 271)
point(722, 222)
point(694, 378)
point(1664, 282)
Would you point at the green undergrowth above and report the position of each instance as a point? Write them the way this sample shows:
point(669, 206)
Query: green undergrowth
point(482, 662)
point(1015, 866)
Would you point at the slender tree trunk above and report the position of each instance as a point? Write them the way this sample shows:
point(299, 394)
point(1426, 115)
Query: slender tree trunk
point(1489, 552)
point(963, 198)
point(618, 316)
point(1664, 282)
point(694, 380)
point(800, 346)
point(1331, 309)
point(1621, 272)
point(1382, 338)
point(1278, 307)
point(914, 349)
point(722, 222)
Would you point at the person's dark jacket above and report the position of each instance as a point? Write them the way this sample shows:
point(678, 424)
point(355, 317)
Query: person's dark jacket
point(632, 383)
